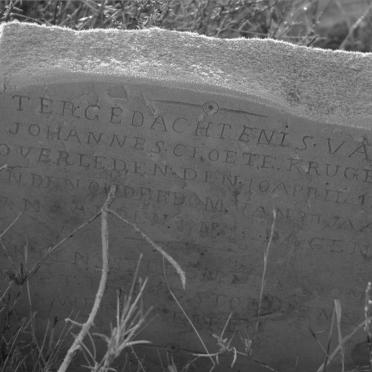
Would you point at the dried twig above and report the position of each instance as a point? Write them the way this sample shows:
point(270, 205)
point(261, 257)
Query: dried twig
point(329, 341)
point(338, 313)
point(313, 334)
point(367, 324)
point(10, 225)
point(187, 317)
point(263, 277)
point(157, 247)
point(54, 247)
point(2, 234)
point(27, 274)
point(10, 285)
point(101, 288)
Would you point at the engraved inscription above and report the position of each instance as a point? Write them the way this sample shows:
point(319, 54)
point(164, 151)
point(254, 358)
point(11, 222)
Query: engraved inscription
point(201, 174)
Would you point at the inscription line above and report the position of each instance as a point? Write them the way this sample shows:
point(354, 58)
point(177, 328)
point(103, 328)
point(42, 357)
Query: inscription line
point(220, 109)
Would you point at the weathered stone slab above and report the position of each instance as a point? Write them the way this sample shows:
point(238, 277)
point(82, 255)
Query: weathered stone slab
point(204, 138)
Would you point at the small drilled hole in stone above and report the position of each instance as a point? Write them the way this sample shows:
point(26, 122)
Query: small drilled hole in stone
point(210, 108)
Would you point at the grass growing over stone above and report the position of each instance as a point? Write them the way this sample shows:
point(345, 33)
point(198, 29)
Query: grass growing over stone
point(20, 347)
point(297, 21)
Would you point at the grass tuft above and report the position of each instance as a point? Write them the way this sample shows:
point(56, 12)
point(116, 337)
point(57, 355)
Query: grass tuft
point(334, 24)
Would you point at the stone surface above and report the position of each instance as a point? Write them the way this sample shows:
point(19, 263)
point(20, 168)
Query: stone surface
point(204, 138)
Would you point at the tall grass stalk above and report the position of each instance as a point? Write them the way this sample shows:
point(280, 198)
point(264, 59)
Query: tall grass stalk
point(101, 288)
point(264, 274)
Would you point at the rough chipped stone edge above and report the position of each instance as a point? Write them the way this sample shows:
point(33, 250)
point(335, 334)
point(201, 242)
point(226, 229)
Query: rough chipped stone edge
point(58, 75)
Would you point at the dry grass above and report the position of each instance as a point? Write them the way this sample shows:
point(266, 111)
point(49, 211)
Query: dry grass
point(305, 22)
point(297, 21)
point(20, 349)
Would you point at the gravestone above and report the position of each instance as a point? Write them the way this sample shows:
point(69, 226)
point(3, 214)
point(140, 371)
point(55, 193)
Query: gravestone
point(204, 139)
